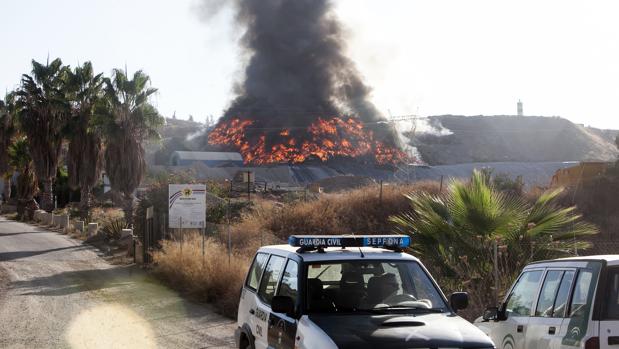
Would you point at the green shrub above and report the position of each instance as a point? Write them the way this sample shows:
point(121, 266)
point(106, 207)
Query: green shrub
point(112, 229)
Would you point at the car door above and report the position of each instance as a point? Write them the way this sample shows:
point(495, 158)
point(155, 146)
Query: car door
point(282, 327)
point(545, 326)
point(510, 333)
point(249, 298)
point(609, 323)
point(266, 292)
point(578, 324)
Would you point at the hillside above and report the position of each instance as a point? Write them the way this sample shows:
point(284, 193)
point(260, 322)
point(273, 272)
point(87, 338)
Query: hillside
point(513, 138)
point(176, 134)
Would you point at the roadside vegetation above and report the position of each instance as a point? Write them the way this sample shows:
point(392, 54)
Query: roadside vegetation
point(62, 117)
point(455, 234)
point(62, 127)
point(212, 277)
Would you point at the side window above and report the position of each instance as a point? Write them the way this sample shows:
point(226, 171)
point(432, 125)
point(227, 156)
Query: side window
point(547, 295)
point(579, 306)
point(256, 271)
point(611, 311)
point(523, 295)
point(268, 285)
point(564, 292)
point(290, 281)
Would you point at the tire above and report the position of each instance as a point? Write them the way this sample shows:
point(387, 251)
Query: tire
point(245, 343)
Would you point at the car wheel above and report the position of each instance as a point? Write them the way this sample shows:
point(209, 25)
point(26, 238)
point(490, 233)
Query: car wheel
point(245, 343)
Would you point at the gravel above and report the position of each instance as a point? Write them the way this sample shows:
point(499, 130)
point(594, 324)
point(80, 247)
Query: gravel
point(56, 292)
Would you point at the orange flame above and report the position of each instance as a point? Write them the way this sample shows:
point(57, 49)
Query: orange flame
point(323, 139)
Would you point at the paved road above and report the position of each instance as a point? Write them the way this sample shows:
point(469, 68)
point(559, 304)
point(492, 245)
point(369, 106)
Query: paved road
point(57, 293)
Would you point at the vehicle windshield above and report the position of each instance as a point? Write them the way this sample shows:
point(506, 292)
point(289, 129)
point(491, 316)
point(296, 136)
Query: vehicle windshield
point(370, 286)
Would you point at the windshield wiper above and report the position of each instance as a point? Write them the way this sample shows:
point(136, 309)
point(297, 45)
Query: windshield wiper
point(405, 307)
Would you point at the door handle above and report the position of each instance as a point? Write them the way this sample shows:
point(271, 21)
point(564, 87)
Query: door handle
point(252, 311)
point(520, 328)
point(552, 330)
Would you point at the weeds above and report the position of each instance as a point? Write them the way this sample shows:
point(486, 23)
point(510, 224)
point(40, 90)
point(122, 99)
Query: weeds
point(209, 277)
point(113, 228)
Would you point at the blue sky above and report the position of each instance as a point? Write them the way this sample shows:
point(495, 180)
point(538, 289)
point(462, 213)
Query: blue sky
point(560, 57)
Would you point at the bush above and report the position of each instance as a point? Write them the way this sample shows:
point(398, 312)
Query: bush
point(210, 279)
point(360, 211)
point(112, 229)
point(455, 233)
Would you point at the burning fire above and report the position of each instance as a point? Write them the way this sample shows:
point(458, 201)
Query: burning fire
point(323, 139)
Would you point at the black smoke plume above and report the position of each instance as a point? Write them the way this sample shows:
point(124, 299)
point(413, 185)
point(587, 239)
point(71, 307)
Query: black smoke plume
point(297, 70)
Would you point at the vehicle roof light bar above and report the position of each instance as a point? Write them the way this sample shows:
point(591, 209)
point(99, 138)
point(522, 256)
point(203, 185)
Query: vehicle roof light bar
point(319, 242)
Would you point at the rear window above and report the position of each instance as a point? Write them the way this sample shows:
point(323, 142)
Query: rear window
point(581, 304)
point(611, 309)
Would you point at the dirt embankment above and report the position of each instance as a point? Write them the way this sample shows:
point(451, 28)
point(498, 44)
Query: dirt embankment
point(513, 138)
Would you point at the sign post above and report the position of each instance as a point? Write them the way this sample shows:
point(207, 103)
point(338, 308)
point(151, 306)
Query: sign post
point(186, 207)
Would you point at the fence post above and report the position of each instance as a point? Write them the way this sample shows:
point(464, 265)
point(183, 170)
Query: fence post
point(229, 234)
point(495, 253)
point(180, 230)
point(203, 238)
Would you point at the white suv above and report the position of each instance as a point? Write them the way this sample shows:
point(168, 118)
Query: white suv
point(324, 292)
point(563, 303)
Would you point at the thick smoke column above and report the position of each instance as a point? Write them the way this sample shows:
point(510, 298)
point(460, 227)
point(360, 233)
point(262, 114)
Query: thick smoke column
point(297, 71)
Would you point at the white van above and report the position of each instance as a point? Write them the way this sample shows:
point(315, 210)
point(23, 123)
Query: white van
point(563, 303)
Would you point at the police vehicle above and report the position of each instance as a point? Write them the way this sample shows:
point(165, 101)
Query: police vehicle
point(563, 303)
point(323, 292)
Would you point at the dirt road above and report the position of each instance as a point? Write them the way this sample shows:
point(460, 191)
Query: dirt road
point(57, 293)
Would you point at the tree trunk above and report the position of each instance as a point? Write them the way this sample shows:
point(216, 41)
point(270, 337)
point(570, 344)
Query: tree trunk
point(128, 209)
point(47, 198)
point(84, 201)
point(7, 189)
point(21, 209)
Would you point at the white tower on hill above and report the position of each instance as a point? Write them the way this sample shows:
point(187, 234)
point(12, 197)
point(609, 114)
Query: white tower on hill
point(520, 108)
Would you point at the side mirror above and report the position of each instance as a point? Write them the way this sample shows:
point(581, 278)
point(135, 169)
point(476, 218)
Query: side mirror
point(491, 313)
point(282, 304)
point(458, 301)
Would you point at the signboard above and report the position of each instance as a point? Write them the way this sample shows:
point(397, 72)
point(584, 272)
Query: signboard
point(150, 212)
point(187, 205)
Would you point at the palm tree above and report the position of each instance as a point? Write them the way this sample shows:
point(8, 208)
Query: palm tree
point(27, 188)
point(456, 233)
point(85, 154)
point(43, 112)
point(126, 119)
point(7, 131)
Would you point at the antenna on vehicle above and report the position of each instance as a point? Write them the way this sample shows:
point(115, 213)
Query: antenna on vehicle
point(360, 251)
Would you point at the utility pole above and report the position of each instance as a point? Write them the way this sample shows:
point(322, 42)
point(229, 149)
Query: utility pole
point(496, 271)
point(228, 219)
point(248, 186)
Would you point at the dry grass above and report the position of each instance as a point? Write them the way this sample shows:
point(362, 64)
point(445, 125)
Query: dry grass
point(211, 279)
point(598, 201)
point(101, 214)
point(360, 211)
